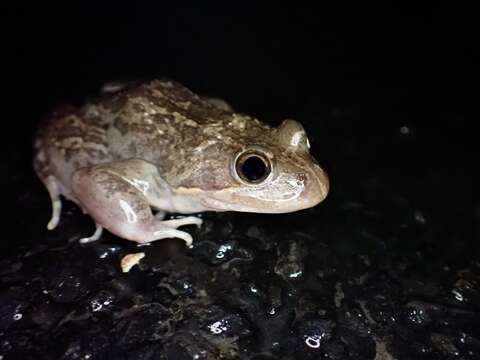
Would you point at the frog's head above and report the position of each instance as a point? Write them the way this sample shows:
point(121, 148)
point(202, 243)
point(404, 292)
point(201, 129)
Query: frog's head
point(268, 173)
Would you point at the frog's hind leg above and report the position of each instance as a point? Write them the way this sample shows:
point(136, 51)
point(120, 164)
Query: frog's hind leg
point(122, 206)
point(43, 171)
point(52, 187)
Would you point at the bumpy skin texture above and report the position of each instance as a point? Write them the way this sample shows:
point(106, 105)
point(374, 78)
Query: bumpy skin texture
point(156, 145)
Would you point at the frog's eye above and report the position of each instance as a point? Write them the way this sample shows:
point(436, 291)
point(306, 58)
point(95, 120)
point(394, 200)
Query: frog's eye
point(252, 167)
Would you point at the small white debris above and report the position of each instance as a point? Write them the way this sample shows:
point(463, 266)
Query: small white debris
point(130, 260)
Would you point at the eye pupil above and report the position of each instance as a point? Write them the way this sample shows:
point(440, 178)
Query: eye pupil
point(252, 168)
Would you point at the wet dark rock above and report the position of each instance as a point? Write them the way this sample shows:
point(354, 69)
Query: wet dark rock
point(139, 324)
point(290, 257)
point(9, 267)
point(189, 346)
point(10, 309)
point(227, 252)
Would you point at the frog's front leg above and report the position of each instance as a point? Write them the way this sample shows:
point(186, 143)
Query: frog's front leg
point(118, 197)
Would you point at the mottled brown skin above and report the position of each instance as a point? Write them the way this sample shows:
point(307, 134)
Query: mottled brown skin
point(161, 133)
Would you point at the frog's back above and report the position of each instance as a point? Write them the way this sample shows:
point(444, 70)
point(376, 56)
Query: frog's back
point(153, 121)
point(68, 139)
point(158, 120)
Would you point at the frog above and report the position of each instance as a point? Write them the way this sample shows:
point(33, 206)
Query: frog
point(137, 151)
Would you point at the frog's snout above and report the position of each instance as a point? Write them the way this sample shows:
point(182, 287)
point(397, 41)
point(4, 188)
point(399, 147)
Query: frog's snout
point(317, 186)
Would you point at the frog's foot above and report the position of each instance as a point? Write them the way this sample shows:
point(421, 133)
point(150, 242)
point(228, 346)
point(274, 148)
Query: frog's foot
point(116, 204)
point(154, 229)
point(54, 193)
point(95, 236)
point(168, 229)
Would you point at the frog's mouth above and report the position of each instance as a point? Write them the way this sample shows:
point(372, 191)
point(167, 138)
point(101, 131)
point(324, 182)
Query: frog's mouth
point(220, 204)
point(214, 204)
point(255, 205)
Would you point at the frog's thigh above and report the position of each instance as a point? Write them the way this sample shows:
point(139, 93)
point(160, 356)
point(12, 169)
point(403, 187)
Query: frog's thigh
point(118, 205)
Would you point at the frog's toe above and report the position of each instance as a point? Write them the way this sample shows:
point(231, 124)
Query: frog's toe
point(173, 233)
point(54, 193)
point(95, 236)
point(55, 219)
point(189, 220)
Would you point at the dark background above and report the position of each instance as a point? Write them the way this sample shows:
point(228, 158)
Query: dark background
point(388, 88)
